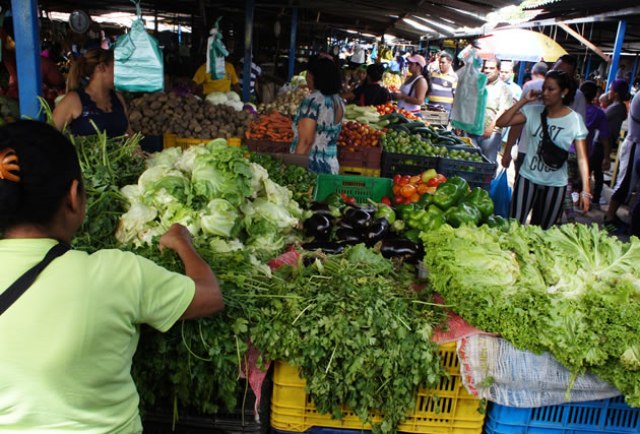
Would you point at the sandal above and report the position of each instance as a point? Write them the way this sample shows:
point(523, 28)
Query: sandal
point(614, 225)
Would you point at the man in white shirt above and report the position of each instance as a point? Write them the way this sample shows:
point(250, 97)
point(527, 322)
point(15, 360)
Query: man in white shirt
point(506, 75)
point(499, 99)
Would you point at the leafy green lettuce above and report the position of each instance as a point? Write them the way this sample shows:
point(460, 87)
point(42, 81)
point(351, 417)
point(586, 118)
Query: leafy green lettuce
point(572, 290)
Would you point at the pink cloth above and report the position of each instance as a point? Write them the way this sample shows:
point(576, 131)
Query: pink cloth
point(456, 327)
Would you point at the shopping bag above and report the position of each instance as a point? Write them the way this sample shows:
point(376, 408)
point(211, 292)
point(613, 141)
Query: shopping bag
point(139, 66)
point(467, 113)
point(500, 193)
point(216, 52)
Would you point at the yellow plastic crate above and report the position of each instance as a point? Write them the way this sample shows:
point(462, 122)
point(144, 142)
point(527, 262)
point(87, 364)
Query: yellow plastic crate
point(447, 409)
point(361, 171)
point(171, 140)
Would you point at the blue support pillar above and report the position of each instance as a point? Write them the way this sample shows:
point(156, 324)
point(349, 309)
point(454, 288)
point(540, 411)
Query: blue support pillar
point(617, 49)
point(588, 69)
point(521, 72)
point(27, 31)
point(292, 41)
point(248, 40)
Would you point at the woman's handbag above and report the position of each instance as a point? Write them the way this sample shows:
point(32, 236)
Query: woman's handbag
point(552, 155)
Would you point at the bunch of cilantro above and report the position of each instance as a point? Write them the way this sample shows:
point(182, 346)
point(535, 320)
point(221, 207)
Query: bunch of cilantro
point(572, 290)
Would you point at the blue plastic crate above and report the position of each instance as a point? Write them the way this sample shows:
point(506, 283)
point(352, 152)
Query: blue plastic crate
point(604, 416)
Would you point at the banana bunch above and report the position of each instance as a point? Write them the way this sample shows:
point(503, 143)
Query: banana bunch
point(392, 81)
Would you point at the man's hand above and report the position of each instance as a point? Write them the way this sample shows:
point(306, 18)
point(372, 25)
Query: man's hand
point(176, 238)
point(506, 159)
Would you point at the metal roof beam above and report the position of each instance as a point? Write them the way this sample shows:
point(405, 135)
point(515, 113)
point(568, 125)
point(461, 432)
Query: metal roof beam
point(585, 41)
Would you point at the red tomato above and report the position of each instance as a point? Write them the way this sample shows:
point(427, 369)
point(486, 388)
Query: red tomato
point(396, 179)
point(408, 190)
point(415, 180)
point(385, 200)
point(433, 182)
point(398, 200)
point(405, 180)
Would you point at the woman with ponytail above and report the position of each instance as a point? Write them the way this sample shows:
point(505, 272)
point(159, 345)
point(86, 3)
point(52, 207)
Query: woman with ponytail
point(69, 320)
point(91, 97)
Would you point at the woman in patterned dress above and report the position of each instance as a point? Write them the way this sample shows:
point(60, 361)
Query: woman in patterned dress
point(317, 124)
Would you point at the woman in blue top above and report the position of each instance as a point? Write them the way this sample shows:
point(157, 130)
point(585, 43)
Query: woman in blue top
point(318, 122)
point(538, 187)
point(96, 101)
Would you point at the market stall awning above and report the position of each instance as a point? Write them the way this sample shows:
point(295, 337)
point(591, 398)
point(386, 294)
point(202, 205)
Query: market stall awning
point(520, 44)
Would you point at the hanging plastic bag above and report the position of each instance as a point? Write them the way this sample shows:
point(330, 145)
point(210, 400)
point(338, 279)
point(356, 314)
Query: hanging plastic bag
point(500, 193)
point(138, 59)
point(468, 112)
point(216, 52)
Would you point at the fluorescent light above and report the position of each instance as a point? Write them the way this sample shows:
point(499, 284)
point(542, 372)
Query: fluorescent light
point(417, 25)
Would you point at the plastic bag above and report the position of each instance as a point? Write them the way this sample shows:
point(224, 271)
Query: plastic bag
point(468, 112)
point(138, 60)
point(216, 52)
point(500, 193)
point(493, 369)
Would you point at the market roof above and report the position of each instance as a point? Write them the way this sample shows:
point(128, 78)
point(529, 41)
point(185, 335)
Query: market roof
point(405, 18)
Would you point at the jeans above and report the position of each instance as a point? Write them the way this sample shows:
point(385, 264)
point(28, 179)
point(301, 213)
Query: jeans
point(489, 146)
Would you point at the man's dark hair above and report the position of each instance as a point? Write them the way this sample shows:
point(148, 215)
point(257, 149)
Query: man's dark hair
point(570, 60)
point(326, 75)
point(446, 56)
point(374, 72)
point(590, 90)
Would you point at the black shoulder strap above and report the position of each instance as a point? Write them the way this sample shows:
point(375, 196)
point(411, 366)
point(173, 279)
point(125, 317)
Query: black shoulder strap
point(545, 126)
point(25, 281)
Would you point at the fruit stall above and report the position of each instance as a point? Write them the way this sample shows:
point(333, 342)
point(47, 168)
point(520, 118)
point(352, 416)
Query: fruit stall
point(351, 300)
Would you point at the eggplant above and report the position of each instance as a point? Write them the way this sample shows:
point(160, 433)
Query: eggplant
point(349, 236)
point(399, 247)
point(377, 231)
point(359, 218)
point(328, 247)
point(318, 226)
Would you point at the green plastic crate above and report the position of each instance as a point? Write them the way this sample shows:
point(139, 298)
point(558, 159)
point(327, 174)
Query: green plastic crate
point(360, 188)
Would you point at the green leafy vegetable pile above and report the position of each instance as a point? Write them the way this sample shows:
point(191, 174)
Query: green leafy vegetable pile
point(299, 180)
point(107, 165)
point(572, 290)
point(352, 324)
point(358, 331)
point(215, 192)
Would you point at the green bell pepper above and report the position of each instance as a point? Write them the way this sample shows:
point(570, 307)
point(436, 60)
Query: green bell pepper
point(447, 195)
point(481, 200)
point(386, 212)
point(405, 210)
point(334, 200)
point(498, 222)
point(425, 200)
point(413, 235)
point(415, 220)
point(434, 222)
point(463, 214)
point(460, 182)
